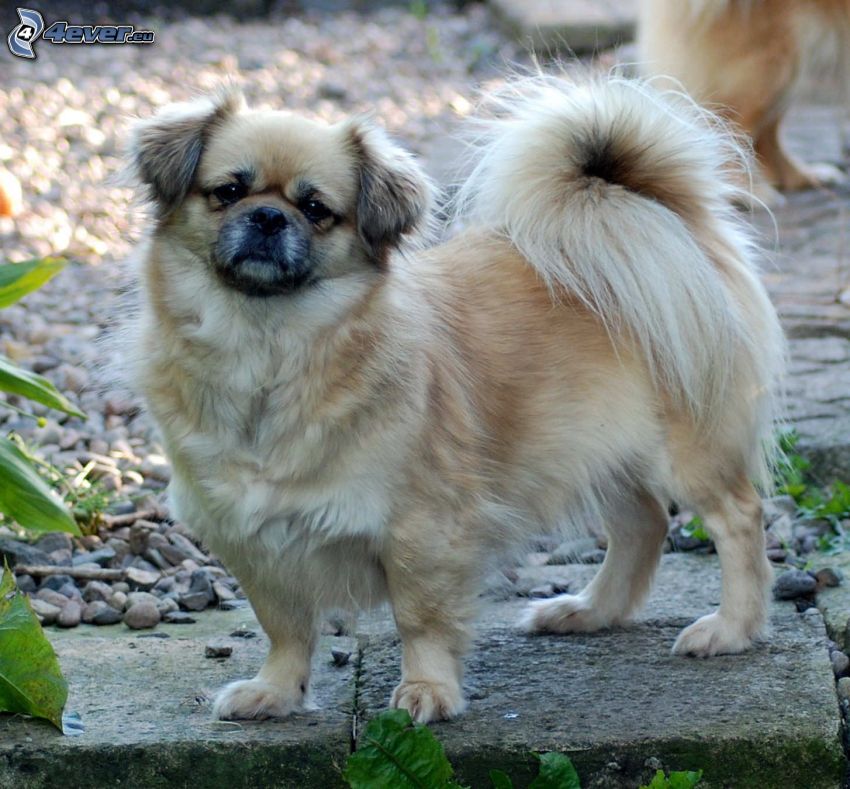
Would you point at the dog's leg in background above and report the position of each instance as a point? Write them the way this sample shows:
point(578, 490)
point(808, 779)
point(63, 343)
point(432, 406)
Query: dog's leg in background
point(282, 684)
point(432, 596)
point(732, 517)
point(636, 533)
point(786, 171)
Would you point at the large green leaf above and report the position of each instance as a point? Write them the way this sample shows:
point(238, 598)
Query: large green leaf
point(26, 498)
point(22, 382)
point(395, 754)
point(18, 279)
point(556, 772)
point(31, 681)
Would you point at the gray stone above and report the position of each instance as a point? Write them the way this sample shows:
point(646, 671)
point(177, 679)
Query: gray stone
point(222, 591)
point(142, 579)
point(840, 663)
point(793, 584)
point(70, 614)
point(572, 26)
point(56, 582)
point(179, 618)
point(569, 551)
point(843, 687)
point(167, 605)
point(47, 613)
point(218, 650)
point(26, 583)
point(15, 552)
point(828, 576)
point(55, 541)
point(141, 597)
point(96, 590)
point(187, 546)
point(51, 596)
point(142, 616)
point(118, 600)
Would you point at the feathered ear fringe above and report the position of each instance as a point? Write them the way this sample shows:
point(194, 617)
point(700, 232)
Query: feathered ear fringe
point(165, 150)
point(396, 198)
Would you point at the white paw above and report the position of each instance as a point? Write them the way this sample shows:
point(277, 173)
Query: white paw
point(714, 635)
point(256, 699)
point(567, 613)
point(429, 701)
point(824, 174)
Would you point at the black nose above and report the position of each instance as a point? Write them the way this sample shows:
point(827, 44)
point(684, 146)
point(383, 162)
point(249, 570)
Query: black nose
point(269, 220)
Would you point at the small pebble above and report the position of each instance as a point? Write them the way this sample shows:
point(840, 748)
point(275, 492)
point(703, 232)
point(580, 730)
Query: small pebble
point(840, 663)
point(70, 615)
point(793, 584)
point(828, 576)
point(340, 658)
point(218, 650)
point(178, 618)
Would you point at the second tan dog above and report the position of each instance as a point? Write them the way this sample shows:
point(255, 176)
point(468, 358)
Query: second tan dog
point(744, 58)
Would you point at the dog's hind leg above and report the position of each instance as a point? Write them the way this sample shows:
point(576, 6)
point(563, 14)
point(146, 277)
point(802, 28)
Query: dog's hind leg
point(784, 170)
point(636, 536)
point(732, 516)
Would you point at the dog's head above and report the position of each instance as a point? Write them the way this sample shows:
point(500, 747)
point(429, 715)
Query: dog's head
point(271, 202)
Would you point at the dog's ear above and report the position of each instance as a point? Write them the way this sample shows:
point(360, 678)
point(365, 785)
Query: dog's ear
point(394, 198)
point(165, 150)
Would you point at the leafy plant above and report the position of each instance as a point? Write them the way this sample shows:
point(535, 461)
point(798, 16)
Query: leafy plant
point(694, 528)
point(24, 496)
point(791, 473)
point(397, 754)
point(676, 780)
point(31, 681)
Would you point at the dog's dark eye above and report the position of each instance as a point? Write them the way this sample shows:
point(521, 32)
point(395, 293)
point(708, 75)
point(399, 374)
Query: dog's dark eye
point(315, 210)
point(230, 193)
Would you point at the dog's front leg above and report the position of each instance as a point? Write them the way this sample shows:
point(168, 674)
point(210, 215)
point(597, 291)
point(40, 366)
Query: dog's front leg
point(282, 684)
point(432, 601)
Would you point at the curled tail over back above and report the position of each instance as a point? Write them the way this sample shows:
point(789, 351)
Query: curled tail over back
point(622, 196)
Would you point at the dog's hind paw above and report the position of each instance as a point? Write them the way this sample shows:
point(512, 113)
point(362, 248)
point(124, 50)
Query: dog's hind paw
point(566, 613)
point(429, 701)
point(256, 699)
point(711, 635)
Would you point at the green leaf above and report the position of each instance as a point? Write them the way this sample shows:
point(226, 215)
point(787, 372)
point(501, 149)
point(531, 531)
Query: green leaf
point(500, 780)
point(31, 681)
point(26, 498)
point(18, 279)
point(677, 780)
point(556, 772)
point(395, 754)
point(694, 528)
point(22, 382)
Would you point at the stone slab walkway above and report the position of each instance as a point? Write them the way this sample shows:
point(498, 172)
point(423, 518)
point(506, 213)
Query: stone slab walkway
point(615, 702)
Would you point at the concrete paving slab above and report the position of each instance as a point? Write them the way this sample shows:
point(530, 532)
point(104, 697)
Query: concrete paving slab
point(568, 26)
point(614, 700)
point(144, 702)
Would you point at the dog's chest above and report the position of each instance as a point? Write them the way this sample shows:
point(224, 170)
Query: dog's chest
point(257, 456)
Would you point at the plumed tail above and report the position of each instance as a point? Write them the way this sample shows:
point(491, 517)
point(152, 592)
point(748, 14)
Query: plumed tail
point(622, 196)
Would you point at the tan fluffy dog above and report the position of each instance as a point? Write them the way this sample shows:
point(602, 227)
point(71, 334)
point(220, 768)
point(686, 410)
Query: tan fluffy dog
point(745, 57)
point(351, 420)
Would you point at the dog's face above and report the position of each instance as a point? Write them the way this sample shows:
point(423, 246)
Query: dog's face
point(271, 203)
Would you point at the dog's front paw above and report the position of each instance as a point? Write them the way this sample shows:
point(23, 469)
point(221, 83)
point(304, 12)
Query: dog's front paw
point(567, 613)
point(429, 701)
point(714, 634)
point(256, 699)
